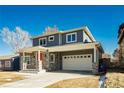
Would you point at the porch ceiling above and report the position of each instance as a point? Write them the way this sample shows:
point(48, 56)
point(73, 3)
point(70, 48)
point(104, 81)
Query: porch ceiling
point(72, 47)
point(32, 49)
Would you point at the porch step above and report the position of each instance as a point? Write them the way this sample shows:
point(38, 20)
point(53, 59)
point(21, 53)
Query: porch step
point(33, 71)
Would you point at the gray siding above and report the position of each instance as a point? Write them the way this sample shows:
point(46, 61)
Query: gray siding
point(56, 39)
point(49, 43)
point(79, 37)
point(36, 42)
point(55, 42)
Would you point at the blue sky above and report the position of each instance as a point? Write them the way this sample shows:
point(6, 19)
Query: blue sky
point(103, 21)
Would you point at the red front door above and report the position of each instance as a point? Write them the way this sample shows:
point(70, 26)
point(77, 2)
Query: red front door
point(41, 56)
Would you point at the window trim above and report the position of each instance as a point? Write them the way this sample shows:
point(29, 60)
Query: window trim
point(25, 59)
point(42, 39)
point(71, 37)
point(50, 37)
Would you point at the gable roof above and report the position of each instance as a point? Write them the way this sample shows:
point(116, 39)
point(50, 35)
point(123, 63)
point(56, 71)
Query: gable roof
point(85, 29)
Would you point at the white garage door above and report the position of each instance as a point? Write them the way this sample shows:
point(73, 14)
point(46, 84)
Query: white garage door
point(77, 62)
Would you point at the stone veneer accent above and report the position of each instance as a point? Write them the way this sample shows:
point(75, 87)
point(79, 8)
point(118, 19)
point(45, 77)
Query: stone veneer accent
point(95, 68)
point(57, 65)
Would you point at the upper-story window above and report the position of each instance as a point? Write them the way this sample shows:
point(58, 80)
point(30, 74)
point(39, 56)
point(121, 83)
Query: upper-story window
point(43, 41)
point(71, 37)
point(51, 38)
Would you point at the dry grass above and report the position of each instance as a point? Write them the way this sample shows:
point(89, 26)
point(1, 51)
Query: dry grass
point(114, 80)
point(86, 82)
point(6, 77)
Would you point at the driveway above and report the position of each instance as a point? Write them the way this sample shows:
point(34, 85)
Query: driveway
point(45, 79)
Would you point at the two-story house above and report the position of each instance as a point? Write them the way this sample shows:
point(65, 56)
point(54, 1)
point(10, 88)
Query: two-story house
point(121, 45)
point(74, 49)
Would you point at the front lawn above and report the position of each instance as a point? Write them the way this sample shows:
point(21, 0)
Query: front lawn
point(114, 80)
point(7, 77)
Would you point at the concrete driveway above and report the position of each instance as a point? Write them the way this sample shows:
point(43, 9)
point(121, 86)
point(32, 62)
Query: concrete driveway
point(45, 79)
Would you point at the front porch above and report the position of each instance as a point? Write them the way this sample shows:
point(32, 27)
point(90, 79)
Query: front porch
point(32, 59)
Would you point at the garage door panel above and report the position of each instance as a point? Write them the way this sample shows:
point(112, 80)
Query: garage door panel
point(77, 62)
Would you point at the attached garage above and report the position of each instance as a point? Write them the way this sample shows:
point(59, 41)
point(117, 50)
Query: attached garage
point(77, 62)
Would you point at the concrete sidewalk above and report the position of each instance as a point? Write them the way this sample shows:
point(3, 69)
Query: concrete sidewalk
point(43, 79)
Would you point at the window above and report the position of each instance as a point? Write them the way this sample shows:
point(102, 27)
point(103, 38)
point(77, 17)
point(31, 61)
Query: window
point(27, 59)
point(71, 37)
point(52, 58)
point(43, 41)
point(89, 56)
point(51, 38)
point(81, 56)
point(7, 64)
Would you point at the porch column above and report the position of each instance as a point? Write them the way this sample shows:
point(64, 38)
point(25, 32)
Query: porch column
point(39, 61)
point(24, 67)
point(95, 55)
point(95, 62)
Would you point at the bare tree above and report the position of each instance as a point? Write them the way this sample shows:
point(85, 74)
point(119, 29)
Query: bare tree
point(16, 39)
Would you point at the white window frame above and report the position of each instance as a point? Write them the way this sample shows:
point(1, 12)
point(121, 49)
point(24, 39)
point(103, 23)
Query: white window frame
point(42, 39)
point(53, 58)
point(51, 37)
point(27, 56)
point(71, 37)
point(8, 64)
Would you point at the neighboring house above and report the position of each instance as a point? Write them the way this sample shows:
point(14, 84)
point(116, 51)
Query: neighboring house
point(10, 62)
point(74, 49)
point(115, 57)
point(107, 59)
point(121, 44)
